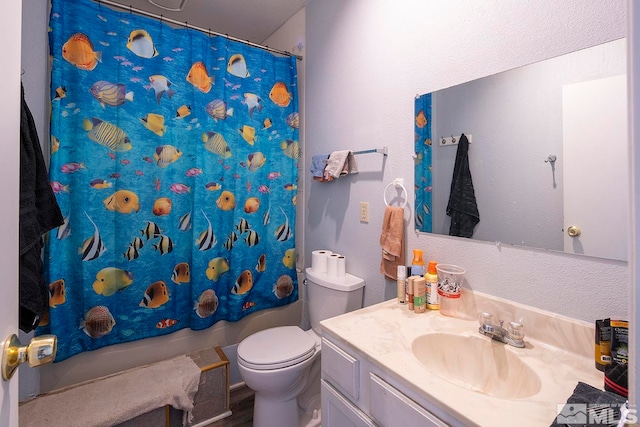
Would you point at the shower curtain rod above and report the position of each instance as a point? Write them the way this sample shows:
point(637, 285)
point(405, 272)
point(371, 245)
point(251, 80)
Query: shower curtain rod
point(162, 18)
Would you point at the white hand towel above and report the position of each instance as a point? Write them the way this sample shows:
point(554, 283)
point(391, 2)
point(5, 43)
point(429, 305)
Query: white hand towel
point(341, 163)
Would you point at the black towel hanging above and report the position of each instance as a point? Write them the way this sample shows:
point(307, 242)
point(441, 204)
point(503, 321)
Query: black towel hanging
point(462, 207)
point(39, 213)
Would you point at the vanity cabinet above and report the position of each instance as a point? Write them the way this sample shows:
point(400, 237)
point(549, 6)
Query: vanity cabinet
point(355, 392)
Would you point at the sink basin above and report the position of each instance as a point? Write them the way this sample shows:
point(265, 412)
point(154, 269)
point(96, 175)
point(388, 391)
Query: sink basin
point(478, 363)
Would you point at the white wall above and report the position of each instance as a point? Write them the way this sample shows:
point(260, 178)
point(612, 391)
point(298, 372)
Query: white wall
point(116, 358)
point(365, 62)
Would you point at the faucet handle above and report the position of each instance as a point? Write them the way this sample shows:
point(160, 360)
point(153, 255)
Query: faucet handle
point(487, 322)
point(516, 330)
point(485, 318)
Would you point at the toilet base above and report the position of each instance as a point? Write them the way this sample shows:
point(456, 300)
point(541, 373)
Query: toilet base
point(268, 412)
point(312, 419)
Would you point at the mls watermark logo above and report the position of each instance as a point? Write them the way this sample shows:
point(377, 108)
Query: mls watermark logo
point(605, 414)
point(572, 413)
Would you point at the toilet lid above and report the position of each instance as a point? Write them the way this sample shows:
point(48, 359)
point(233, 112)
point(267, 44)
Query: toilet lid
point(276, 348)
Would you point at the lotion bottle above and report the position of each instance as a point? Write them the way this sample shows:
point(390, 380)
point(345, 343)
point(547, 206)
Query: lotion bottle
point(419, 298)
point(417, 265)
point(406, 284)
point(431, 279)
point(402, 279)
point(410, 282)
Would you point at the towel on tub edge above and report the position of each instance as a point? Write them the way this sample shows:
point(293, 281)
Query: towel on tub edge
point(117, 398)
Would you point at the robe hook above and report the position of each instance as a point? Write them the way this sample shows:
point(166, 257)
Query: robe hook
point(551, 158)
point(453, 139)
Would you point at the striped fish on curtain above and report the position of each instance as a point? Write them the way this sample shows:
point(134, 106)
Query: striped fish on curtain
point(174, 161)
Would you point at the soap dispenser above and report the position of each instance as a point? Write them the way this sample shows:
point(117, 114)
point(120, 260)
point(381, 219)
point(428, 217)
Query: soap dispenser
point(417, 265)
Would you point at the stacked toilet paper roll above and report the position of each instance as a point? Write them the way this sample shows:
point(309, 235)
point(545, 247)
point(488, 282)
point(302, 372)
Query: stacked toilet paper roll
point(336, 265)
point(325, 261)
point(319, 260)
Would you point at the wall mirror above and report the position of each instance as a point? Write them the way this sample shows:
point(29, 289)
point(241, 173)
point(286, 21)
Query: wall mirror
point(548, 153)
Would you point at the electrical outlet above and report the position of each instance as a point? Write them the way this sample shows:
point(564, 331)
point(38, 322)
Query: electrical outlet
point(364, 211)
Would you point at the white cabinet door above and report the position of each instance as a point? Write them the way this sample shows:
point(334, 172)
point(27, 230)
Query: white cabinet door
point(390, 407)
point(337, 411)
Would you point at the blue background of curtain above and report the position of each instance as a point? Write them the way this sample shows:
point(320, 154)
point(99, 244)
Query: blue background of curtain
point(423, 174)
point(179, 210)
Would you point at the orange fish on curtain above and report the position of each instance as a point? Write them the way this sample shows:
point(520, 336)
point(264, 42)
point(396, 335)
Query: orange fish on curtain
point(180, 205)
point(78, 50)
point(199, 77)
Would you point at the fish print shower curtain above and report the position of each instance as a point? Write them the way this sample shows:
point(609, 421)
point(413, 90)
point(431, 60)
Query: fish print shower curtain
point(174, 161)
point(424, 181)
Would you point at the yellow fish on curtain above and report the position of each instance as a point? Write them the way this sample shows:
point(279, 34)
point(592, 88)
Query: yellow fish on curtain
point(179, 203)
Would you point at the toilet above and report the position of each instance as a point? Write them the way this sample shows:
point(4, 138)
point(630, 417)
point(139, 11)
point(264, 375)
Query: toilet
point(282, 365)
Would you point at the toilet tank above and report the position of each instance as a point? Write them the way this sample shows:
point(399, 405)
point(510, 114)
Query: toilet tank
point(330, 296)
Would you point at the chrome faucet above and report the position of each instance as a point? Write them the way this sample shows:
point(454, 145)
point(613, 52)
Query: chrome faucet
point(513, 334)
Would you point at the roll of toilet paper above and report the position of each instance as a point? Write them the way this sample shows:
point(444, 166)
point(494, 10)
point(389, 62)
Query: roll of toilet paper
point(332, 265)
point(342, 269)
point(319, 260)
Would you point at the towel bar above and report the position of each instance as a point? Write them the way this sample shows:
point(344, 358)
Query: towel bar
point(384, 151)
point(397, 183)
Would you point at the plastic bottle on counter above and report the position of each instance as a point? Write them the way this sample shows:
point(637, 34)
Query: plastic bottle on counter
point(406, 285)
point(431, 279)
point(402, 280)
point(419, 297)
point(417, 265)
point(410, 281)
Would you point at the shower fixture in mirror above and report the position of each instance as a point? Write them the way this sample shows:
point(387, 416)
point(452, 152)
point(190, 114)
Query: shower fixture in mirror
point(571, 108)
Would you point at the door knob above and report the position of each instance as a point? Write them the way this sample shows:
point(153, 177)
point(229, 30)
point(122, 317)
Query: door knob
point(574, 231)
point(40, 351)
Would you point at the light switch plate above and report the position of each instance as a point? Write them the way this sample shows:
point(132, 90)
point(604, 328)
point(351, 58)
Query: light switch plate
point(364, 211)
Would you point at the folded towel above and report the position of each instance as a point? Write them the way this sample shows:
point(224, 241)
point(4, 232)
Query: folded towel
point(318, 163)
point(586, 399)
point(340, 163)
point(116, 399)
point(392, 241)
point(462, 207)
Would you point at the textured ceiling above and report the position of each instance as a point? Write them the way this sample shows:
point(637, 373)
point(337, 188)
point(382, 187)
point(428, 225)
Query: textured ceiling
point(252, 20)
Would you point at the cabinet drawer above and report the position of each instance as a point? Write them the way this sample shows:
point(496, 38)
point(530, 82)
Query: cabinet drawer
point(390, 407)
point(341, 369)
point(339, 412)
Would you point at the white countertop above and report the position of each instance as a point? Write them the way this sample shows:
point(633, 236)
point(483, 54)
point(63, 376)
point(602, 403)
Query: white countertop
point(384, 333)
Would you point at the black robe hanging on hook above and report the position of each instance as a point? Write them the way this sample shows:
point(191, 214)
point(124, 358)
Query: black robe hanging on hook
point(39, 213)
point(462, 207)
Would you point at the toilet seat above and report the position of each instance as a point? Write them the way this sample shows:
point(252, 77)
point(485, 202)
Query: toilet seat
point(276, 348)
